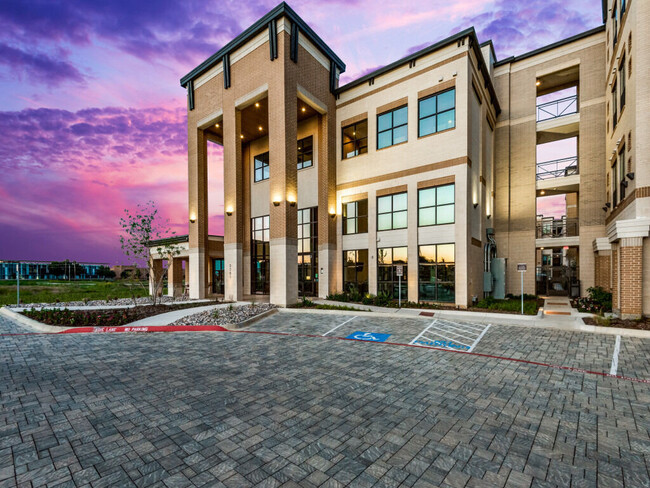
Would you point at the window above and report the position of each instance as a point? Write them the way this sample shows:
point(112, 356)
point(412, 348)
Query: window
point(391, 212)
point(262, 167)
point(621, 171)
point(437, 113)
point(355, 270)
point(355, 217)
point(436, 205)
point(614, 106)
point(260, 255)
point(621, 76)
point(308, 251)
point(437, 273)
point(614, 185)
point(615, 20)
point(355, 139)
point(387, 279)
point(305, 152)
point(623, 6)
point(392, 127)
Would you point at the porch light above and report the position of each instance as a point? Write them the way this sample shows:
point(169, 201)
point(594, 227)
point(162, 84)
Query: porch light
point(260, 128)
point(304, 109)
point(192, 217)
point(229, 211)
point(257, 104)
point(538, 82)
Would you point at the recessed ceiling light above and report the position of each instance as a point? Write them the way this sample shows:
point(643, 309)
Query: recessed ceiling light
point(241, 136)
point(257, 104)
point(538, 83)
point(260, 128)
point(216, 125)
point(304, 109)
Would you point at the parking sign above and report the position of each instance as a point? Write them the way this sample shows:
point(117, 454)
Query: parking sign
point(399, 270)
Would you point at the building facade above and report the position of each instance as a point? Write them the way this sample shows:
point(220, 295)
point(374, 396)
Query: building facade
point(425, 177)
point(51, 270)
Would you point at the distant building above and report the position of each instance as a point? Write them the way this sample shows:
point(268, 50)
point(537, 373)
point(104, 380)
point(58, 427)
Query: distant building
point(51, 270)
point(122, 270)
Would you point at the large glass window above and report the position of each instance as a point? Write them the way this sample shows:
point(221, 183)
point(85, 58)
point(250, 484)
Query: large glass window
point(355, 270)
point(260, 255)
point(437, 113)
point(387, 280)
point(436, 205)
point(262, 171)
point(437, 273)
point(392, 127)
point(621, 172)
point(355, 139)
point(305, 152)
point(391, 212)
point(615, 182)
point(355, 217)
point(614, 106)
point(308, 251)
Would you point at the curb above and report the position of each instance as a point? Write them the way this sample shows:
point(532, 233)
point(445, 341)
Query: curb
point(146, 328)
point(31, 323)
point(252, 320)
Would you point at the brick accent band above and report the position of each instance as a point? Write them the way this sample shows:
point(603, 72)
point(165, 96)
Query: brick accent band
point(354, 120)
point(436, 182)
point(445, 85)
point(390, 191)
point(390, 106)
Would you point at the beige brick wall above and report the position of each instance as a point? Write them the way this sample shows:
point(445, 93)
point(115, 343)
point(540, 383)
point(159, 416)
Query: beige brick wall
point(631, 281)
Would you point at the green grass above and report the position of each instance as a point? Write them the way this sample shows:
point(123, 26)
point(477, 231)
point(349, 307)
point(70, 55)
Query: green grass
point(40, 291)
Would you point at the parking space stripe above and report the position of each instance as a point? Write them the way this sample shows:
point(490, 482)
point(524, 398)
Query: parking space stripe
point(449, 338)
point(617, 349)
point(479, 338)
point(470, 327)
point(427, 328)
point(332, 330)
point(449, 326)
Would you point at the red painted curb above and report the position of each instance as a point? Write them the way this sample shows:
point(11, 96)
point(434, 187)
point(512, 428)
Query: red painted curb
point(145, 328)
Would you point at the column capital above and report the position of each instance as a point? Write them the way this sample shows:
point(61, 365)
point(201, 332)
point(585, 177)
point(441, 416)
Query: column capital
point(602, 244)
point(621, 229)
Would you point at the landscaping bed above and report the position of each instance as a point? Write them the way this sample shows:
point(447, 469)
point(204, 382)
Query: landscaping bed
point(225, 316)
point(112, 301)
point(640, 324)
point(306, 303)
point(510, 305)
point(100, 318)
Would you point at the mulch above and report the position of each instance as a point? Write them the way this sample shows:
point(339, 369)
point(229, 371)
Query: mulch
point(642, 324)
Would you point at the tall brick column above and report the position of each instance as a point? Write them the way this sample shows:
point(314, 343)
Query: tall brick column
point(283, 160)
point(326, 203)
point(233, 201)
point(198, 210)
point(615, 281)
point(631, 265)
point(175, 277)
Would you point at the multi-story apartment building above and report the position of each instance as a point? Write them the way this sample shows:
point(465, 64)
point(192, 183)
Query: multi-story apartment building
point(435, 167)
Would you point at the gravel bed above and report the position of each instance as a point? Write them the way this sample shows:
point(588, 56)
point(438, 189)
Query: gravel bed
point(225, 316)
point(98, 303)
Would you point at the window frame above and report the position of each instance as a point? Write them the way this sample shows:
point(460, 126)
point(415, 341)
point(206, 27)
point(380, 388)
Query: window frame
point(437, 113)
point(621, 173)
point(622, 84)
point(393, 127)
point(302, 153)
point(392, 211)
point(264, 165)
point(358, 148)
point(394, 278)
point(615, 103)
point(436, 264)
point(453, 204)
point(355, 266)
point(614, 170)
point(356, 218)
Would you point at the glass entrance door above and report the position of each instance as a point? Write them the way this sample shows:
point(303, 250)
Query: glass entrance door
point(308, 252)
point(260, 256)
point(217, 276)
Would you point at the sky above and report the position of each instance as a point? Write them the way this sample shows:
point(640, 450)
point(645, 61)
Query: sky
point(93, 119)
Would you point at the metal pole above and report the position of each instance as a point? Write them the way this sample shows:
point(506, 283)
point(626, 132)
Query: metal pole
point(522, 292)
point(399, 298)
point(18, 284)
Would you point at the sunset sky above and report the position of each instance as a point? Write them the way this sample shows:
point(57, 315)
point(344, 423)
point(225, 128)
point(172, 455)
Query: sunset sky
point(92, 117)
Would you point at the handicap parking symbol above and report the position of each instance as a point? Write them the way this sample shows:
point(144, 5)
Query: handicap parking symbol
point(368, 336)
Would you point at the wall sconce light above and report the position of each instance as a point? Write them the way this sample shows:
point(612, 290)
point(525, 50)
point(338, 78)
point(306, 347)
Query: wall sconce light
point(332, 213)
point(229, 211)
point(624, 183)
point(608, 205)
point(475, 205)
point(630, 176)
point(488, 216)
point(292, 201)
point(276, 203)
point(192, 217)
point(604, 209)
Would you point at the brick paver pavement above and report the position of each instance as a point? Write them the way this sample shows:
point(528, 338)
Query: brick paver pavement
point(237, 409)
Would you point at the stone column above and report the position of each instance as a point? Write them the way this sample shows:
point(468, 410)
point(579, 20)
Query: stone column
point(198, 210)
point(631, 277)
point(603, 263)
point(175, 277)
point(154, 275)
point(283, 158)
point(233, 202)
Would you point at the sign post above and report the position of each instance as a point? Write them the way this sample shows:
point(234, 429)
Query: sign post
point(17, 283)
point(399, 269)
point(521, 267)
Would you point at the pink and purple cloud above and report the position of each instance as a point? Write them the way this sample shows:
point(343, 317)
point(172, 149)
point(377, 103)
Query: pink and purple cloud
point(93, 117)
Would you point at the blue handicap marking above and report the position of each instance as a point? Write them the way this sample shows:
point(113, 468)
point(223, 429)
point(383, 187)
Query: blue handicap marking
point(368, 336)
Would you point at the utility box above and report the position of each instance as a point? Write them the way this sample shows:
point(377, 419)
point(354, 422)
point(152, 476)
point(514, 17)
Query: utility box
point(488, 280)
point(499, 278)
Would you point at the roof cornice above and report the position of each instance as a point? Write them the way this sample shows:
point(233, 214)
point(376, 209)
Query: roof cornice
point(474, 44)
point(281, 10)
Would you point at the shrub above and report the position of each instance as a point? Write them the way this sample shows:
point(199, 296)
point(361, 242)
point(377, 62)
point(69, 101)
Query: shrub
point(599, 301)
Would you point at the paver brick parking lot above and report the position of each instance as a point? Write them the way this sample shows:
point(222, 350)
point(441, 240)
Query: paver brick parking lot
point(246, 409)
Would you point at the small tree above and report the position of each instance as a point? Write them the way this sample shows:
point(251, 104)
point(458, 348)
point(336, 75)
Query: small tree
point(140, 231)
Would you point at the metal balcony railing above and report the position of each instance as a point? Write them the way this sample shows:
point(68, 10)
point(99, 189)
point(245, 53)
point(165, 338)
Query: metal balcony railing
point(557, 168)
point(557, 108)
point(552, 227)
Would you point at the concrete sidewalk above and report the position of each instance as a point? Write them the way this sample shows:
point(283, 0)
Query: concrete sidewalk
point(171, 317)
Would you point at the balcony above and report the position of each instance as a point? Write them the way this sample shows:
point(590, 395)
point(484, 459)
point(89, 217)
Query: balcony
point(558, 168)
point(557, 108)
point(552, 228)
